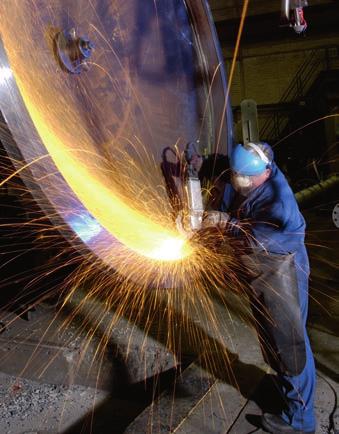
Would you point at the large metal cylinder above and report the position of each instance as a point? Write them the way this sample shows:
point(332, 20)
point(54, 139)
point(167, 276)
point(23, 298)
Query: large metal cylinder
point(93, 138)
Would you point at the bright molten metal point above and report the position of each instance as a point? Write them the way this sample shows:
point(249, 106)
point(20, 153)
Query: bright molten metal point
point(146, 230)
point(171, 249)
point(132, 228)
point(135, 230)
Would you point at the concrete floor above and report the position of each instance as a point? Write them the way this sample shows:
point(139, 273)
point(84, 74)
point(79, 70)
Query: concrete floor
point(44, 389)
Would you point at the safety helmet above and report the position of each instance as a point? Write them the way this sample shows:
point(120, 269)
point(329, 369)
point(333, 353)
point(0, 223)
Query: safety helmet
point(251, 160)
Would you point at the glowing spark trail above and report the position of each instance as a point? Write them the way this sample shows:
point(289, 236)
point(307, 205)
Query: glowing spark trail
point(133, 276)
point(105, 131)
point(120, 184)
point(234, 60)
point(135, 230)
point(25, 166)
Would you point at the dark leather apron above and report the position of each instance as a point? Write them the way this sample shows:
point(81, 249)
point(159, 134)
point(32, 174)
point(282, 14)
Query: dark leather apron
point(275, 304)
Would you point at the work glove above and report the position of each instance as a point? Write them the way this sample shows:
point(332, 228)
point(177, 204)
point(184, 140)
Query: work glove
point(215, 219)
point(183, 229)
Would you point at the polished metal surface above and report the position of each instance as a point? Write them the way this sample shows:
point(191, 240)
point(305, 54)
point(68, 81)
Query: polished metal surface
point(93, 141)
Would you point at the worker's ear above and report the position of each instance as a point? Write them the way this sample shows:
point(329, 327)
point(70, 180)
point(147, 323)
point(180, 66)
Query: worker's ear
point(268, 172)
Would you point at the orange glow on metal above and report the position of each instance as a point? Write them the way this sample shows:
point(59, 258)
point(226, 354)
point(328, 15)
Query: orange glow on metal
point(145, 230)
point(132, 228)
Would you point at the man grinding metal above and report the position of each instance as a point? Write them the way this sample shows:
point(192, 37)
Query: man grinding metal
point(259, 210)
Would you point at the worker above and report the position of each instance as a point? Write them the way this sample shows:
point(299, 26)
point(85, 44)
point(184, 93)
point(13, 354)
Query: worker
point(260, 210)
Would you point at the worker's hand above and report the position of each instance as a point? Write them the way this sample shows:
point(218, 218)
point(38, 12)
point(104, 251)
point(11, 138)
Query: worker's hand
point(182, 228)
point(215, 219)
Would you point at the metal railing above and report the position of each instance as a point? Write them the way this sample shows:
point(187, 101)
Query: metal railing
point(317, 61)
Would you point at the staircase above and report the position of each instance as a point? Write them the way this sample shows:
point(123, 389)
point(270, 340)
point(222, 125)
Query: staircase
point(316, 63)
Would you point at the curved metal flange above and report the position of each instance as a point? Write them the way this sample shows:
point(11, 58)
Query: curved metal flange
point(157, 79)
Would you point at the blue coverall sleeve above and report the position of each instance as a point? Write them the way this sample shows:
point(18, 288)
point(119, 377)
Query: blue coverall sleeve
point(266, 220)
point(267, 225)
point(264, 226)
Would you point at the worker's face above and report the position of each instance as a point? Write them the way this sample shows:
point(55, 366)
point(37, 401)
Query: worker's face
point(244, 184)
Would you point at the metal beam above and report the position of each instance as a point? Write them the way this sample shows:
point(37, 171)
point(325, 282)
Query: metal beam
point(322, 19)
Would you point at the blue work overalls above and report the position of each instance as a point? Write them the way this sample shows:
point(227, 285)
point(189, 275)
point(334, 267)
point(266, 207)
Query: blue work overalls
point(277, 226)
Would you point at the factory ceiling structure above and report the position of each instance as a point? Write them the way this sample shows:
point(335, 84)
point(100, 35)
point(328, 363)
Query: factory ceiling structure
point(263, 18)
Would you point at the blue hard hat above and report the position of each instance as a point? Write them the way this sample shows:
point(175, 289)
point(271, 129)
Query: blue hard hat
point(250, 162)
